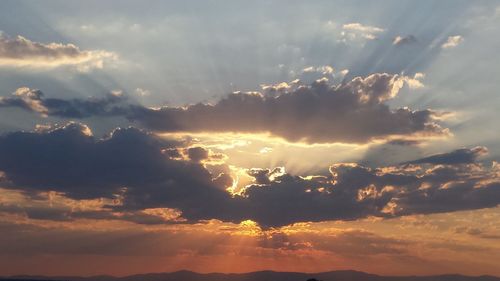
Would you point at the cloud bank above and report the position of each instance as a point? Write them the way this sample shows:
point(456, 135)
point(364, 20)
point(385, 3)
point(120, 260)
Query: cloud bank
point(351, 112)
point(135, 169)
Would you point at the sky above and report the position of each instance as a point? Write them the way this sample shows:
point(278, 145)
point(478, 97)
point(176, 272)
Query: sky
point(235, 136)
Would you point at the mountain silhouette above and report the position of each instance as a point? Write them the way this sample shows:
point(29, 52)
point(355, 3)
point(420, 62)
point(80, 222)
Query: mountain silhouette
point(184, 275)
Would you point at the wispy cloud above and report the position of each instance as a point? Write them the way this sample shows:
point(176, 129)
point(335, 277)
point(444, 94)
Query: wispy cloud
point(357, 30)
point(452, 42)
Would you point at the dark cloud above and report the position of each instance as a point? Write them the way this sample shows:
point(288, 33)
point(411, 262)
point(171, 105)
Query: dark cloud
point(45, 210)
point(26, 99)
point(131, 166)
point(197, 153)
point(34, 100)
point(353, 112)
point(263, 176)
point(404, 40)
point(353, 191)
point(459, 156)
point(131, 162)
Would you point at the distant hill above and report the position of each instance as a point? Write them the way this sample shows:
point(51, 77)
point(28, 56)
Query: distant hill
point(344, 275)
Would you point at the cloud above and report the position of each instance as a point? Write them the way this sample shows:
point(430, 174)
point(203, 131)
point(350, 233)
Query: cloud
point(197, 153)
point(352, 191)
point(406, 40)
point(354, 112)
point(347, 243)
point(25, 98)
point(312, 74)
point(459, 156)
point(362, 28)
point(131, 166)
point(452, 42)
point(34, 240)
point(25, 239)
point(55, 206)
point(132, 169)
point(35, 101)
point(357, 243)
point(22, 52)
point(351, 112)
point(142, 92)
point(69, 159)
point(415, 82)
point(355, 30)
point(477, 232)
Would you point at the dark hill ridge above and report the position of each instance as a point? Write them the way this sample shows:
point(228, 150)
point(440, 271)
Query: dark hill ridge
point(343, 275)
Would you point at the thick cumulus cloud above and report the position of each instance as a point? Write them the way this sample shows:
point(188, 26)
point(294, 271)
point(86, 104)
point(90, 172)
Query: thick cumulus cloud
point(134, 168)
point(352, 112)
point(353, 192)
point(71, 161)
point(20, 51)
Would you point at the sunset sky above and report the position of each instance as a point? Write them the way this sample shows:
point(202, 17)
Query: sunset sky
point(235, 136)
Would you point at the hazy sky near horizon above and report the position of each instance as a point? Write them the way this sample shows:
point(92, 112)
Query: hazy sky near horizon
point(236, 136)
